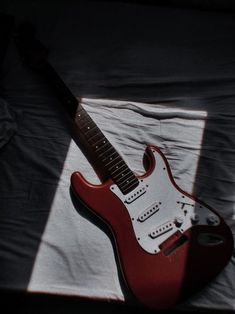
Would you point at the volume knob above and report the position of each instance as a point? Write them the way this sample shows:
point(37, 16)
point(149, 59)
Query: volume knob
point(195, 218)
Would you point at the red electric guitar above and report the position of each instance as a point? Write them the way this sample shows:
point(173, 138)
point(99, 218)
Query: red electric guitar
point(169, 244)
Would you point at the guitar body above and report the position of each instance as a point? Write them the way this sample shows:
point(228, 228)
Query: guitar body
point(169, 244)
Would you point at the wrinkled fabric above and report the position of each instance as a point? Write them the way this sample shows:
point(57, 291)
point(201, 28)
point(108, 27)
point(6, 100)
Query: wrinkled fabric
point(8, 124)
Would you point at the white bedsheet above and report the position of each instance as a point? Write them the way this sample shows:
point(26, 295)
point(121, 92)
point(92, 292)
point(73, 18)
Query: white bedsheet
point(46, 243)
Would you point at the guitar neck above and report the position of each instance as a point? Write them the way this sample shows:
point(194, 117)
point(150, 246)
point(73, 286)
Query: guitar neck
point(102, 149)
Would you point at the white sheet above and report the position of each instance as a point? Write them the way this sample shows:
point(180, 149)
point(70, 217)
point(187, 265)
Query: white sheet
point(48, 245)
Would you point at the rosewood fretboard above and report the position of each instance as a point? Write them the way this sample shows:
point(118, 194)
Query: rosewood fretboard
point(104, 151)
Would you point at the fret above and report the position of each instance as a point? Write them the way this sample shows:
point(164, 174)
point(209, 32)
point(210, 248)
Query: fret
point(91, 138)
point(111, 158)
point(103, 146)
point(88, 129)
point(119, 168)
point(97, 147)
point(99, 143)
point(84, 127)
point(124, 177)
point(126, 182)
point(105, 152)
point(129, 188)
point(85, 120)
point(81, 114)
point(104, 140)
point(110, 155)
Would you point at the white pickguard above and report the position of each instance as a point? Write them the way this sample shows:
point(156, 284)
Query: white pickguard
point(158, 209)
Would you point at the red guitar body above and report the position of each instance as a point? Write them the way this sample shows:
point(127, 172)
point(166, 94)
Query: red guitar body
point(183, 263)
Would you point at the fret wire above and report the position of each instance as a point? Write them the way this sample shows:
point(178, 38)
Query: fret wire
point(91, 138)
point(124, 190)
point(106, 164)
point(117, 169)
point(127, 183)
point(86, 129)
point(99, 133)
point(119, 180)
point(120, 169)
point(87, 134)
point(84, 118)
point(121, 175)
point(110, 155)
point(130, 176)
point(102, 139)
point(103, 146)
point(105, 152)
point(124, 186)
point(88, 120)
point(92, 127)
point(82, 114)
point(82, 125)
point(95, 142)
point(81, 110)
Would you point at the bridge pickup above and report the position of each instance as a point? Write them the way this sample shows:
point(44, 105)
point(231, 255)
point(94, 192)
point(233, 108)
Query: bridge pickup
point(158, 231)
point(148, 212)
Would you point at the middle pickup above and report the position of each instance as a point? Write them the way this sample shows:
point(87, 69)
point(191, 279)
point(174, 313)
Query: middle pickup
point(148, 212)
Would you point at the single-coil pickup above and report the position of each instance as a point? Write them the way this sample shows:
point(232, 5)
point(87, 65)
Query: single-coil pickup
point(148, 212)
point(158, 231)
point(135, 194)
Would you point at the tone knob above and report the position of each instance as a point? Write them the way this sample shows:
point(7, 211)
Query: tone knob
point(212, 219)
point(179, 221)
